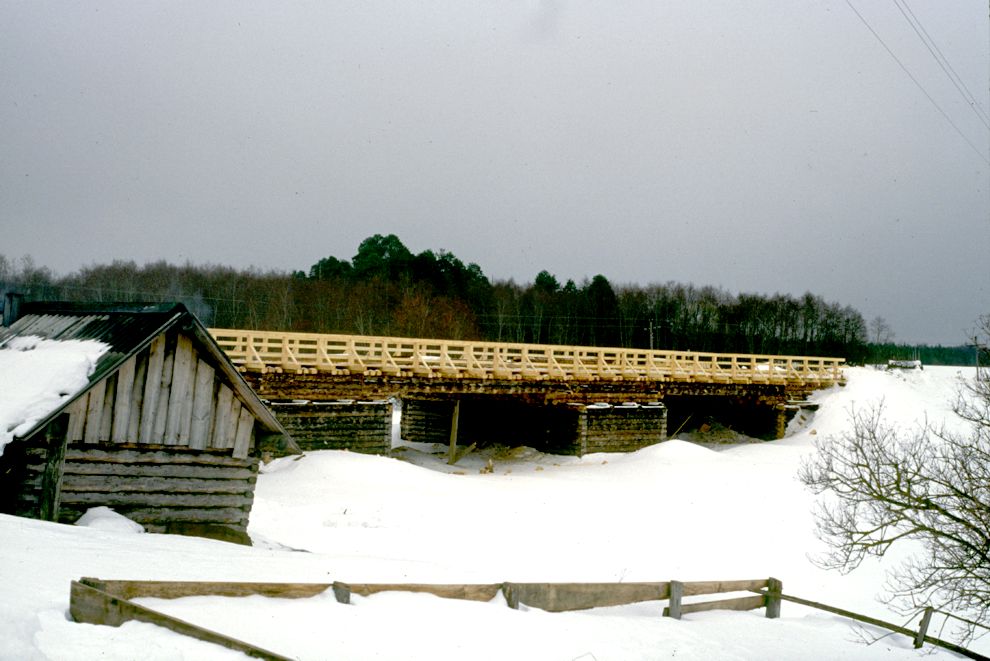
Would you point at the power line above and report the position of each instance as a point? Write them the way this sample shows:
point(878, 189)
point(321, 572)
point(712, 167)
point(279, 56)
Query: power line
point(921, 87)
point(942, 61)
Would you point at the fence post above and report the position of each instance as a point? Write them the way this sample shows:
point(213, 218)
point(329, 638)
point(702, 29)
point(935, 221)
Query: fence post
point(775, 589)
point(342, 592)
point(511, 598)
point(676, 594)
point(919, 638)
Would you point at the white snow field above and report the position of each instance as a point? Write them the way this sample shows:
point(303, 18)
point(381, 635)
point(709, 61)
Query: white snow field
point(676, 510)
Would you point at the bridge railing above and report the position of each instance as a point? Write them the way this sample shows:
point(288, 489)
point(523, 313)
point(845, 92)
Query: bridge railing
point(359, 354)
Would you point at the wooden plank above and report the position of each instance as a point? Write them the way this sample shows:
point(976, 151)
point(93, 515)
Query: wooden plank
point(736, 604)
point(180, 589)
point(716, 587)
point(156, 470)
point(560, 597)
point(91, 606)
point(233, 419)
point(163, 484)
point(106, 420)
point(245, 433)
point(51, 481)
point(202, 407)
point(94, 412)
point(122, 401)
point(82, 454)
point(152, 388)
point(77, 418)
point(164, 394)
point(137, 499)
point(137, 397)
point(471, 592)
point(224, 397)
point(866, 619)
point(180, 398)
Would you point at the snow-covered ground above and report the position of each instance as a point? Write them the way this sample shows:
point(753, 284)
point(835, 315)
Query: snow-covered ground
point(677, 510)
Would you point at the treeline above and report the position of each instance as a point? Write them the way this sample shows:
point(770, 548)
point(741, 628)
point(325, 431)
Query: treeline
point(928, 355)
point(387, 290)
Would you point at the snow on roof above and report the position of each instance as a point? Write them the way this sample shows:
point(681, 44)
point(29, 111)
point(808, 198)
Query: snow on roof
point(37, 376)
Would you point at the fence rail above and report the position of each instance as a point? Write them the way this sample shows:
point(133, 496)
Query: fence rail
point(375, 356)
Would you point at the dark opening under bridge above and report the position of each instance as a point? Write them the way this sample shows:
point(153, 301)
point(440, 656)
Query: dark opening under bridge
point(567, 399)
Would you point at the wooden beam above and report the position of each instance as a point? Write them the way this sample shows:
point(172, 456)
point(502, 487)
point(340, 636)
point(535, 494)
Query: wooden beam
point(736, 604)
point(775, 588)
point(92, 606)
point(452, 453)
point(180, 589)
point(675, 609)
point(919, 639)
point(56, 438)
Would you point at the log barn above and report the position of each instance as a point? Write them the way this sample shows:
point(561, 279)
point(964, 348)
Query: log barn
point(164, 430)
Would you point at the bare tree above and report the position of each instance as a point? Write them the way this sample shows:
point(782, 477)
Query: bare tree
point(880, 331)
point(883, 486)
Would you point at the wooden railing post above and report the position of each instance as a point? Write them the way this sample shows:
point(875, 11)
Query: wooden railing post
point(919, 639)
point(775, 588)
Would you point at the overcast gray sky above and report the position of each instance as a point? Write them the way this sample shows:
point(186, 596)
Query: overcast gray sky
point(760, 146)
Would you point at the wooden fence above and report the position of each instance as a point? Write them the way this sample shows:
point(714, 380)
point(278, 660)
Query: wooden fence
point(375, 356)
point(108, 602)
point(96, 601)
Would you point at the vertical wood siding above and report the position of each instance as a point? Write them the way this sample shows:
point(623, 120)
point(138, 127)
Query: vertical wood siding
point(164, 395)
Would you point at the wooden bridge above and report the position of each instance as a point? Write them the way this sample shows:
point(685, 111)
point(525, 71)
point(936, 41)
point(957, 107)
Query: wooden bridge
point(405, 357)
point(565, 399)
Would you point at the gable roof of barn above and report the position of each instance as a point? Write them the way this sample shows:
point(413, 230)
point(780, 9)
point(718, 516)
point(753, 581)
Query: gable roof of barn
point(127, 328)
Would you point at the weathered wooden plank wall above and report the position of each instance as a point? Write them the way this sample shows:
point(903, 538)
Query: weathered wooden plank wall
point(164, 395)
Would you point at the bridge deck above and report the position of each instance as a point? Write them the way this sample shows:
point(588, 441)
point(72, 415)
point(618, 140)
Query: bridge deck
point(347, 355)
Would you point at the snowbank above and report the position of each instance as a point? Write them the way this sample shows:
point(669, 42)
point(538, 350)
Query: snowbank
point(37, 375)
point(672, 511)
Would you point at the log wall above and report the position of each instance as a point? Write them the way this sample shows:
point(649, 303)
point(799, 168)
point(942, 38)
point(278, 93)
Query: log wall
point(622, 428)
point(426, 421)
point(165, 489)
point(357, 426)
point(164, 395)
